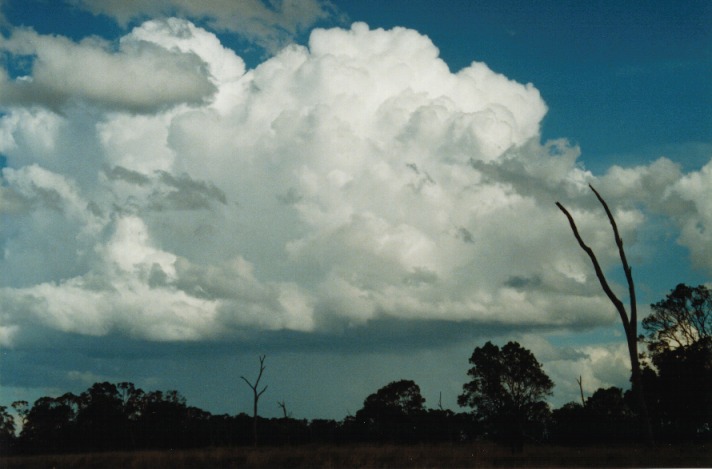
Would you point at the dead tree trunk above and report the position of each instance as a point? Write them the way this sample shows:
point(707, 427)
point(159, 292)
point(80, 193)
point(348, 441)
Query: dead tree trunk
point(630, 323)
point(256, 395)
point(580, 383)
point(282, 405)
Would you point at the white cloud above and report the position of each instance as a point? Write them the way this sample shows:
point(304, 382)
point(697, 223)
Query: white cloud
point(351, 180)
point(598, 366)
point(695, 189)
point(663, 189)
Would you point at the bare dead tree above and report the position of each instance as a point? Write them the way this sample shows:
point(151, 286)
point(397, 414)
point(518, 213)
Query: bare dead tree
point(256, 395)
point(283, 406)
point(579, 381)
point(630, 322)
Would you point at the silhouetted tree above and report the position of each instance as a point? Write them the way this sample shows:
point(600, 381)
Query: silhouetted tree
point(48, 427)
point(282, 405)
point(392, 413)
point(7, 431)
point(630, 322)
point(678, 335)
point(22, 408)
point(682, 320)
point(401, 396)
point(608, 417)
point(256, 397)
point(324, 431)
point(570, 425)
point(506, 392)
point(101, 420)
point(165, 420)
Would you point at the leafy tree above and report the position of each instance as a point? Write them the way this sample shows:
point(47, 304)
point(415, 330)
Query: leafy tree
point(678, 335)
point(131, 399)
point(392, 412)
point(569, 424)
point(604, 418)
point(164, 420)
point(683, 319)
point(7, 430)
point(401, 396)
point(48, 426)
point(609, 419)
point(101, 418)
point(23, 409)
point(506, 392)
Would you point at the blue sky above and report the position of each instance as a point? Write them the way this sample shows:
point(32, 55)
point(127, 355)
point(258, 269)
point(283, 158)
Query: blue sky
point(363, 192)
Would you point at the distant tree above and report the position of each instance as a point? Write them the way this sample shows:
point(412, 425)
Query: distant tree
point(324, 431)
point(678, 336)
point(682, 320)
point(48, 426)
point(606, 418)
point(570, 425)
point(164, 420)
point(131, 399)
point(256, 397)
point(22, 408)
point(392, 412)
point(283, 405)
point(629, 321)
point(507, 392)
point(399, 396)
point(609, 419)
point(7, 431)
point(101, 419)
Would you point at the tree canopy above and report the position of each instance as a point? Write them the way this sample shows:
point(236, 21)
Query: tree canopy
point(507, 390)
point(678, 335)
point(682, 319)
point(401, 397)
point(391, 413)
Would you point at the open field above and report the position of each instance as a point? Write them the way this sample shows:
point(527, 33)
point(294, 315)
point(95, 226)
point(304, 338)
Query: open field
point(383, 456)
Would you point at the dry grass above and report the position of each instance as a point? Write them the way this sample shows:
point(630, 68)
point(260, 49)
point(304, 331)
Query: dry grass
point(384, 456)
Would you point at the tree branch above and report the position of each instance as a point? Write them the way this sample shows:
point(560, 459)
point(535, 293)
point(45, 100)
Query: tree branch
point(629, 323)
point(599, 272)
point(626, 268)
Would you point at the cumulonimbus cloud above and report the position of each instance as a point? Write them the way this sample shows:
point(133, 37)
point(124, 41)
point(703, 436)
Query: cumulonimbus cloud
point(351, 180)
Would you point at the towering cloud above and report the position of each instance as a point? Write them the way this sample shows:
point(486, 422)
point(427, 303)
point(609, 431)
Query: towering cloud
point(162, 191)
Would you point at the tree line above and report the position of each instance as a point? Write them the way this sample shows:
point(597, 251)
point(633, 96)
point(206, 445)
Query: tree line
point(504, 401)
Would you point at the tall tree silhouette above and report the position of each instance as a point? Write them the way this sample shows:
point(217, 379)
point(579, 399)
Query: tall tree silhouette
point(393, 413)
point(7, 430)
point(256, 397)
point(507, 391)
point(630, 322)
point(678, 335)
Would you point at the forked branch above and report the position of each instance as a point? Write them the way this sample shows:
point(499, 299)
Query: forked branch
point(626, 267)
point(256, 396)
point(597, 267)
point(257, 381)
point(630, 323)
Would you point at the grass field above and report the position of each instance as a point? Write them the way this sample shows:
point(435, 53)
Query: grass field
point(384, 456)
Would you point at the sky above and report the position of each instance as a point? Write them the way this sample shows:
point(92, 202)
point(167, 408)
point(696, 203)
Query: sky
point(361, 191)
